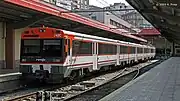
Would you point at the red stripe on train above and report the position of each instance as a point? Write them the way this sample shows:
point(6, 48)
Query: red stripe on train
point(62, 63)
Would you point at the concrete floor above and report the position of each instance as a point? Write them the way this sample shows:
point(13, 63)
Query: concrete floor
point(7, 71)
point(161, 83)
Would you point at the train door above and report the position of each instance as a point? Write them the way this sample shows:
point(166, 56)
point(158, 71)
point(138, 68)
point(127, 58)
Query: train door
point(143, 55)
point(129, 53)
point(118, 55)
point(136, 54)
point(67, 50)
point(95, 55)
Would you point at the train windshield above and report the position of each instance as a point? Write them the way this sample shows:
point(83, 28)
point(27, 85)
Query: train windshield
point(31, 47)
point(42, 48)
point(52, 48)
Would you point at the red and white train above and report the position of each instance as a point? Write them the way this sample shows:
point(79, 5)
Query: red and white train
point(54, 54)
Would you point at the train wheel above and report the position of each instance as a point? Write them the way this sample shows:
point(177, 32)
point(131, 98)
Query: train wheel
point(74, 75)
point(87, 72)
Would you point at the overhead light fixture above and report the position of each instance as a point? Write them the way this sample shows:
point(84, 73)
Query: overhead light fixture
point(24, 16)
point(162, 20)
point(46, 20)
point(155, 8)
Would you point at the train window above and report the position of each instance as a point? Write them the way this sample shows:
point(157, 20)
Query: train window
point(69, 47)
point(133, 50)
point(52, 47)
point(177, 51)
point(102, 49)
point(114, 49)
point(105, 49)
point(52, 42)
point(152, 50)
point(123, 49)
point(81, 48)
point(30, 47)
point(139, 50)
point(146, 50)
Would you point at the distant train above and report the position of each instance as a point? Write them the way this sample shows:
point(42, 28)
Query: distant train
point(53, 54)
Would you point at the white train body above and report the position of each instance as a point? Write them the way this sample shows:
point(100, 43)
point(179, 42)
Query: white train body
point(87, 52)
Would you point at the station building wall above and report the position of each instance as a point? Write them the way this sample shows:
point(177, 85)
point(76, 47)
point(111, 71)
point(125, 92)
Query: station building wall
point(2, 45)
point(17, 45)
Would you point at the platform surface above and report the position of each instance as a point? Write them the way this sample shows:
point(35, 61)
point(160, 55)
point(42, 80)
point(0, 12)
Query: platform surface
point(8, 71)
point(161, 83)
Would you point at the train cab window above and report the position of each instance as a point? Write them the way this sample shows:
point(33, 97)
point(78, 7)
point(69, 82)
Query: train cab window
point(41, 47)
point(52, 47)
point(30, 47)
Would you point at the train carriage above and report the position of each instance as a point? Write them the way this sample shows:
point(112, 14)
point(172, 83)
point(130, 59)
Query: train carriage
point(54, 54)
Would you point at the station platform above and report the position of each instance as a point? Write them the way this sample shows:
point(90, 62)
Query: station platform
point(161, 83)
point(9, 80)
point(8, 71)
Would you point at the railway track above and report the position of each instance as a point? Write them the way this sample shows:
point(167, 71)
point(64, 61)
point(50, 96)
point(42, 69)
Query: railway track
point(100, 91)
point(28, 97)
point(99, 86)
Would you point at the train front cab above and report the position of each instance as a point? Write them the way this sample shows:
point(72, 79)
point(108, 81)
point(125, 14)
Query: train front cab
point(42, 57)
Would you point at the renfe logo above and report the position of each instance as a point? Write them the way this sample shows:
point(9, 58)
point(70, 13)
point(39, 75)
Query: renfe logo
point(58, 35)
point(42, 60)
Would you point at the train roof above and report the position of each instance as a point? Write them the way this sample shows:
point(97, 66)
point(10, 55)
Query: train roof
point(97, 38)
point(77, 35)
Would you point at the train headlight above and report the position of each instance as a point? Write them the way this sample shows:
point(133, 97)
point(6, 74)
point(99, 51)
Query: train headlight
point(57, 60)
point(23, 60)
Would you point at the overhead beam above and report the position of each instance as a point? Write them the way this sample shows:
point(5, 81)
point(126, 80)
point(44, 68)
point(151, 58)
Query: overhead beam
point(172, 27)
point(171, 34)
point(168, 26)
point(161, 14)
point(11, 11)
point(100, 10)
point(10, 5)
point(97, 32)
point(51, 25)
point(60, 20)
point(83, 26)
point(10, 16)
point(168, 30)
point(74, 26)
point(29, 22)
point(165, 24)
point(168, 35)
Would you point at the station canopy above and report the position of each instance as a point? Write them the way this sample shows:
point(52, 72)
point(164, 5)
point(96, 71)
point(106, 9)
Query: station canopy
point(162, 14)
point(36, 13)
